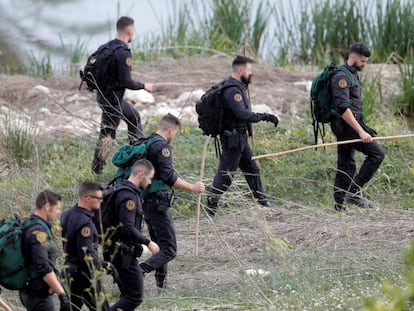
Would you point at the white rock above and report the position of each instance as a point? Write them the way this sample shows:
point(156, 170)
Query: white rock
point(262, 108)
point(304, 85)
point(139, 96)
point(44, 110)
point(257, 272)
point(162, 111)
point(191, 96)
point(4, 110)
point(189, 114)
point(41, 89)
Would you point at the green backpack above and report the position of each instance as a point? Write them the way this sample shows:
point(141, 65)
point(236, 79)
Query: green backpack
point(321, 98)
point(127, 155)
point(14, 268)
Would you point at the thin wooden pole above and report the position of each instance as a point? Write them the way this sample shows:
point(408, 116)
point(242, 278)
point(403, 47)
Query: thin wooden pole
point(4, 305)
point(251, 125)
point(203, 162)
point(344, 142)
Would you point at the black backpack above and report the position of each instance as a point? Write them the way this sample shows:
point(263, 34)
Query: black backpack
point(321, 98)
point(105, 218)
point(210, 109)
point(96, 71)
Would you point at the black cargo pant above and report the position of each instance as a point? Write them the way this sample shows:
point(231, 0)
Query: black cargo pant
point(82, 292)
point(161, 229)
point(32, 302)
point(131, 283)
point(346, 167)
point(236, 153)
point(113, 111)
point(35, 296)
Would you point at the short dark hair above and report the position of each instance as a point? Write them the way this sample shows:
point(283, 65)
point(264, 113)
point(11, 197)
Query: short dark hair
point(142, 165)
point(124, 22)
point(47, 196)
point(169, 121)
point(360, 49)
point(241, 60)
point(87, 187)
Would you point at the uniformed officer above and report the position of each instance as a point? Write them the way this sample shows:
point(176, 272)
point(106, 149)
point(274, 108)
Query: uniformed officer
point(80, 245)
point(349, 124)
point(159, 197)
point(236, 150)
point(39, 249)
point(128, 237)
point(110, 100)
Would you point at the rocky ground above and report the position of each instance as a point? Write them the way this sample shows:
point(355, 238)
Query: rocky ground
point(55, 105)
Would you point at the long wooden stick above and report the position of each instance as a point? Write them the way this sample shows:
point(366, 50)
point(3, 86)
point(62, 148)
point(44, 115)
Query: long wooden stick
point(251, 125)
point(203, 162)
point(4, 305)
point(344, 142)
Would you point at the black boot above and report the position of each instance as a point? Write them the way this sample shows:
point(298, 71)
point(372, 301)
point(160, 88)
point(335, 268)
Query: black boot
point(339, 207)
point(212, 204)
point(354, 197)
point(98, 161)
point(97, 166)
point(357, 200)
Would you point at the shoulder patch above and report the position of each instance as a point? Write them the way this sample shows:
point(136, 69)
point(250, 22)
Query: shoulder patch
point(130, 205)
point(166, 153)
point(342, 83)
point(237, 97)
point(86, 232)
point(41, 237)
point(128, 61)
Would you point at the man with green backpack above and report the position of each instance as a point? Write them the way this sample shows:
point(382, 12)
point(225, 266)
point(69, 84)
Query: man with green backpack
point(39, 252)
point(348, 123)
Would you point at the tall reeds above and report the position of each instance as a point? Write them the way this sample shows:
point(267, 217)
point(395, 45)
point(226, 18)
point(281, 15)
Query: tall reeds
point(225, 26)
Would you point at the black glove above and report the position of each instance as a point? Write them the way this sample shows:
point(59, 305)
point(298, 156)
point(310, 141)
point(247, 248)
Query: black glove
point(110, 269)
point(271, 118)
point(64, 302)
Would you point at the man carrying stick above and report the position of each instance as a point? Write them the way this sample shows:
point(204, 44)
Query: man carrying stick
point(349, 124)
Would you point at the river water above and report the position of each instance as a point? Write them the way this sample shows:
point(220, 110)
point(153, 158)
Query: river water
point(40, 26)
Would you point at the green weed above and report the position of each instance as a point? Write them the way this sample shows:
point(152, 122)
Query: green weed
point(18, 141)
point(40, 66)
point(403, 103)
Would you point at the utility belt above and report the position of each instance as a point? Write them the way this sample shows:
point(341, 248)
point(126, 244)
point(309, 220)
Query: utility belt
point(37, 287)
point(232, 137)
point(340, 124)
point(160, 200)
point(129, 252)
point(134, 249)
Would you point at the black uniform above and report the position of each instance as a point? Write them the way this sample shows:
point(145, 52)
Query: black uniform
point(236, 151)
point(129, 219)
point(347, 94)
point(158, 200)
point(80, 242)
point(39, 248)
point(110, 100)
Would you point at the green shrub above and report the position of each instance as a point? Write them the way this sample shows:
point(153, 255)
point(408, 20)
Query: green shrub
point(18, 141)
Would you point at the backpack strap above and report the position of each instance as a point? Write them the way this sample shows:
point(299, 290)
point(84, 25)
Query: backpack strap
point(351, 79)
point(153, 140)
point(349, 75)
point(31, 222)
